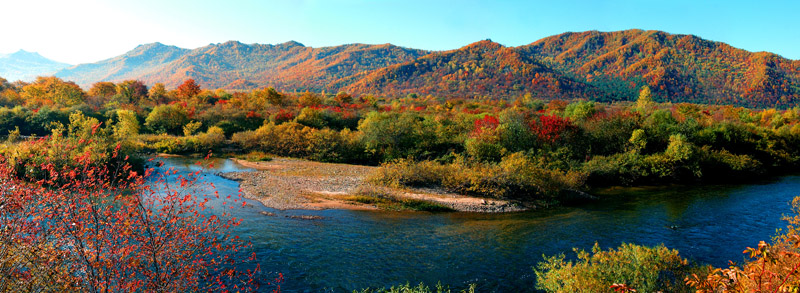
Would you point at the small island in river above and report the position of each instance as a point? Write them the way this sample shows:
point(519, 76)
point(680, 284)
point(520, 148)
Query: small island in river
point(285, 183)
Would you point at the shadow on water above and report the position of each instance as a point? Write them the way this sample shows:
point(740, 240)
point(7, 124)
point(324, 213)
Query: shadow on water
point(347, 250)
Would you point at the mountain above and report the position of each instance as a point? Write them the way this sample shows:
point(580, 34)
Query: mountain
point(26, 66)
point(676, 67)
point(482, 68)
point(288, 66)
point(604, 66)
point(140, 61)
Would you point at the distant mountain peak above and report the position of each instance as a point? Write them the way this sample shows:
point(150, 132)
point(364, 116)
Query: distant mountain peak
point(291, 44)
point(22, 54)
point(155, 46)
point(484, 44)
point(24, 65)
point(231, 43)
point(152, 45)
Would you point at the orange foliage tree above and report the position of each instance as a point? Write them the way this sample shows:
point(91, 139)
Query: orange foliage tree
point(188, 89)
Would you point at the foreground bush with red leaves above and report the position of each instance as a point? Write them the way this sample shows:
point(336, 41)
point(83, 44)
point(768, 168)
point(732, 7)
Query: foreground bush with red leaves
point(80, 225)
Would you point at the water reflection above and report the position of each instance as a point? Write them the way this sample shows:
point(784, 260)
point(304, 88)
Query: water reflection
point(349, 250)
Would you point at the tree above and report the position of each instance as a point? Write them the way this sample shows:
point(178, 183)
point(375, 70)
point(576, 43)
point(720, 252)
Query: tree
point(127, 124)
point(397, 135)
point(343, 98)
point(191, 128)
point(580, 110)
point(103, 89)
point(53, 91)
point(679, 149)
point(167, 119)
point(157, 94)
point(188, 89)
point(638, 140)
point(4, 84)
point(310, 99)
point(131, 91)
point(274, 97)
point(645, 100)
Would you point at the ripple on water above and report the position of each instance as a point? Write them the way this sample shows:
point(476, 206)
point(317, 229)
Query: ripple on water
point(349, 250)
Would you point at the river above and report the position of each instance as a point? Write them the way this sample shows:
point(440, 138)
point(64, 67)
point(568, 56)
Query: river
point(348, 250)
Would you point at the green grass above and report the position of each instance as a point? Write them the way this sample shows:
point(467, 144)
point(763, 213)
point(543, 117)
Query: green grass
point(421, 205)
point(386, 201)
point(255, 157)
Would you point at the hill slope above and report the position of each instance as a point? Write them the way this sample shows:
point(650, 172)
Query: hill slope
point(26, 66)
point(482, 68)
point(676, 67)
point(289, 66)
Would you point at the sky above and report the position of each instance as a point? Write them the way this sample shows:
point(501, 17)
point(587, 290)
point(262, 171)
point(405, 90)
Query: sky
point(85, 31)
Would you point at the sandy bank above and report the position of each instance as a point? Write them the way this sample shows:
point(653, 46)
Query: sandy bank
point(298, 184)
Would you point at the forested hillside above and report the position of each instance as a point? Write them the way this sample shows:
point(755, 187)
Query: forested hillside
point(681, 68)
point(481, 68)
point(603, 66)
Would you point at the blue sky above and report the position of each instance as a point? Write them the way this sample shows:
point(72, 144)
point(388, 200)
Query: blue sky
point(90, 30)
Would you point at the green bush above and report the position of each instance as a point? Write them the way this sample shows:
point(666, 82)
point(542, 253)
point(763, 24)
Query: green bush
point(167, 119)
point(515, 177)
point(645, 269)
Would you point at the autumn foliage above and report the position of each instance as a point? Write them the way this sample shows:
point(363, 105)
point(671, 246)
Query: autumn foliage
point(89, 226)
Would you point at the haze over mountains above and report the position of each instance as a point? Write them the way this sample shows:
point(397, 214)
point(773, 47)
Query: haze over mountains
point(595, 65)
point(23, 65)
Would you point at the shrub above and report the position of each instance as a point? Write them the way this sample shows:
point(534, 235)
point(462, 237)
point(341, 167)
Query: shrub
point(515, 177)
point(167, 119)
point(191, 128)
point(212, 139)
point(312, 117)
point(644, 269)
point(94, 226)
point(398, 135)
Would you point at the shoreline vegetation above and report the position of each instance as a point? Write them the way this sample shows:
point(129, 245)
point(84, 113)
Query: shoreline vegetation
point(525, 151)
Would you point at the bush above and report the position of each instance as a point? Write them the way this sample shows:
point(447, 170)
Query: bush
point(212, 139)
point(312, 117)
point(515, 177)
point(644, 269)
point(398, 135)
point(99, 226)
point(167, 119)
point(255, 157)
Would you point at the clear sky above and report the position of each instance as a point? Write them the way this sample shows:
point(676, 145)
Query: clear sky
point(82, 31)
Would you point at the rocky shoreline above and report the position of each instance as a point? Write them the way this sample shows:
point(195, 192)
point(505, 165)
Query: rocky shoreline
point(287, 184)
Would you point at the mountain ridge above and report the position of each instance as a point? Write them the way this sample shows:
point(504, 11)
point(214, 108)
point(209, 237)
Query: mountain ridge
point(591, 64)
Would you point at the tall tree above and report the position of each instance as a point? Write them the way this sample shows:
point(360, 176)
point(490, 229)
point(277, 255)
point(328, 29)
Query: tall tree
point(131, 91)
point(188, 89)
point(158, 93)
point(103, 89)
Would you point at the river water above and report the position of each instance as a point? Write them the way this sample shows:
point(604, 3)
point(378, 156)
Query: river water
point(348, 250)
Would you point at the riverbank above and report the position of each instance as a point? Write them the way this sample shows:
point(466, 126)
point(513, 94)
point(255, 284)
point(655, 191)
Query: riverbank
point(285, 184)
